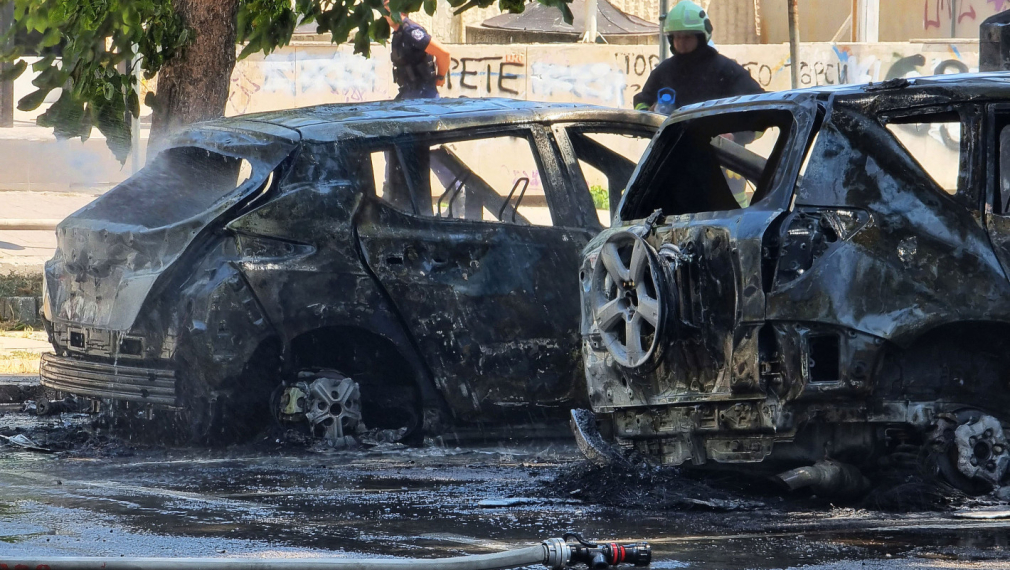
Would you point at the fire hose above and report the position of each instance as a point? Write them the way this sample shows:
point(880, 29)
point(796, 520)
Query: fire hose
point(555, 553)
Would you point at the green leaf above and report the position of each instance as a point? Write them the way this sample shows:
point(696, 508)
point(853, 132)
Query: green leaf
point(10, 54)
point(242, 23)
point(31, 101)
point(43, 63)
point(250, 48)
point(513, 6)
point(51, 77)
point(51, 38)
point(380, 30)
point(12, 72)
point(133, 101)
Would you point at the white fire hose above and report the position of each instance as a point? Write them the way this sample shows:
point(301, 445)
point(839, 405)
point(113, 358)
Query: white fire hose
point(553, 553)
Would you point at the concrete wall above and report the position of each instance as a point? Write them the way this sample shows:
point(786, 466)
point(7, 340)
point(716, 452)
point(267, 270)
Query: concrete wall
point(304, 75)
point(596, 74)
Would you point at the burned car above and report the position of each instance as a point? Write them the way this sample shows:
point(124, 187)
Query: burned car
point(852, 308)
point(400, 266)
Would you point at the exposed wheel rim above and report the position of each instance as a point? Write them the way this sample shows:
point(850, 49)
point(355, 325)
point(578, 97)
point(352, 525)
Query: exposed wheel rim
point(628, 307)
point(333, 407)
point(982, 450)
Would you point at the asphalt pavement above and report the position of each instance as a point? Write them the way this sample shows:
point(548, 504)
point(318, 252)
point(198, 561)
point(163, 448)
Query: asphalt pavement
point(272, 501)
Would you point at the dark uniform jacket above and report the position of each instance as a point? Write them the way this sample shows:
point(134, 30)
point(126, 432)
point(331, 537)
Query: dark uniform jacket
point(413, 69)
point(701, 75)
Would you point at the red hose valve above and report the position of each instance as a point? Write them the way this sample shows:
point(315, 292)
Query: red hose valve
point(602, 556)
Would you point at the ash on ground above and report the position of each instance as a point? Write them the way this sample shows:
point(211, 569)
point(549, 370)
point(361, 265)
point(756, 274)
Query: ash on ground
point(652, 488)
point(66, 434)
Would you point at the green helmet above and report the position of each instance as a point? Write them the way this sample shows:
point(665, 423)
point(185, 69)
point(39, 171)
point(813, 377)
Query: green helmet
point(687, 16)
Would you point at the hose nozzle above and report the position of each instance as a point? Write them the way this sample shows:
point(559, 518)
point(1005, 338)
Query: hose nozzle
point(558, 553)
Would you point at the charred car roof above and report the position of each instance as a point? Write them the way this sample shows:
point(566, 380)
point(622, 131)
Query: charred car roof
point(911, 92)
point(331, 123)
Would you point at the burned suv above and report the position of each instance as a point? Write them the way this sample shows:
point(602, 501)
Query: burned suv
point(811, 276)
point(392, 265)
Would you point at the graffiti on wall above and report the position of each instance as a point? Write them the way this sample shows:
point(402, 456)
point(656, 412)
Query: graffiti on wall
point(302, 77)
point(498, 75)
point(961, 17)
point(599, 75)
point(824, 65)
point(554, 74)
point(596, 82)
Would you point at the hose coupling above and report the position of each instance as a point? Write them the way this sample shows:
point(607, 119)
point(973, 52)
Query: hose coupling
point(557, 553)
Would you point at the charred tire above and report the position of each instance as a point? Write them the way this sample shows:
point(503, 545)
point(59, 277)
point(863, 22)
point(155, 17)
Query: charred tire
point(627, 296)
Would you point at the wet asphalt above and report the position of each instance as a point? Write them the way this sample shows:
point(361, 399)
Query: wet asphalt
point(273, 501)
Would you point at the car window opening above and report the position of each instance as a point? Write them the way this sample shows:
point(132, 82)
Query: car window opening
point(712, 164)
point(1004, 170)
point(934, 141)
point(496, 179)
point(607, 161)
point(195, 178)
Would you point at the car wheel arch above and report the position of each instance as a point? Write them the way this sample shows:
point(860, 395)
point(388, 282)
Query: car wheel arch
point(381, 365)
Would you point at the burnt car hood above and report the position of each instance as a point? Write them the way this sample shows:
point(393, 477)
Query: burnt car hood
point(111, 252)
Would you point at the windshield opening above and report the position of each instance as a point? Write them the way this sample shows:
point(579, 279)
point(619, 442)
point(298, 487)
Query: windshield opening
point(177, 185)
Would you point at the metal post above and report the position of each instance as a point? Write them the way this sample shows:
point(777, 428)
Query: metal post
point(664, 48)
point(6, 87)
point(794, 43)
point(866, 21)
point(135, 159)
point(953, 18)
point(592, 8)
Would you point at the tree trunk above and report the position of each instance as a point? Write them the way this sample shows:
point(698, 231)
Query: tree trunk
point(194, 87)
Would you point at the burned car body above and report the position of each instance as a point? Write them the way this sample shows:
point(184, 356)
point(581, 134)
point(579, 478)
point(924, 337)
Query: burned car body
point(383, 242)
point(854, 306)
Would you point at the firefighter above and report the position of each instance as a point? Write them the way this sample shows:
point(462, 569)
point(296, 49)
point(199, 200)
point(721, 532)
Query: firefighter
point(696, 72)
point(420, 62)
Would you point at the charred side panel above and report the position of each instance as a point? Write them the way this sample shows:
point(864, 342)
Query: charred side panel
point(301, 259)
point(918, 261)
point(217, 319)
point(491, 305)
point(962, 363)
point(879, 254)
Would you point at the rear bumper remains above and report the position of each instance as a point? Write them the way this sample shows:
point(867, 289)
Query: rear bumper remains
point(102, 380)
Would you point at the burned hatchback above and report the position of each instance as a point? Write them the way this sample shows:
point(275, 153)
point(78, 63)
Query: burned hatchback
point(399, 266)
point(812, 281)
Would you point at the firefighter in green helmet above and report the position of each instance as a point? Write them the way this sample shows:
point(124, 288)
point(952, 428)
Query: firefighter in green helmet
point(696, 72)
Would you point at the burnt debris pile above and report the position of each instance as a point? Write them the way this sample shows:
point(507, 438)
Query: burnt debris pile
point(646, 487)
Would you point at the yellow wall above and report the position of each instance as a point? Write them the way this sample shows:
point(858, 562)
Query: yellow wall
point(902, 20)
point(819, 20)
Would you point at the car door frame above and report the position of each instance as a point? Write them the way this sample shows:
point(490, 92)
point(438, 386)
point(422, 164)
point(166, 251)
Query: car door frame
point(570, 159)
point(997, 219)
point(469, 390)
